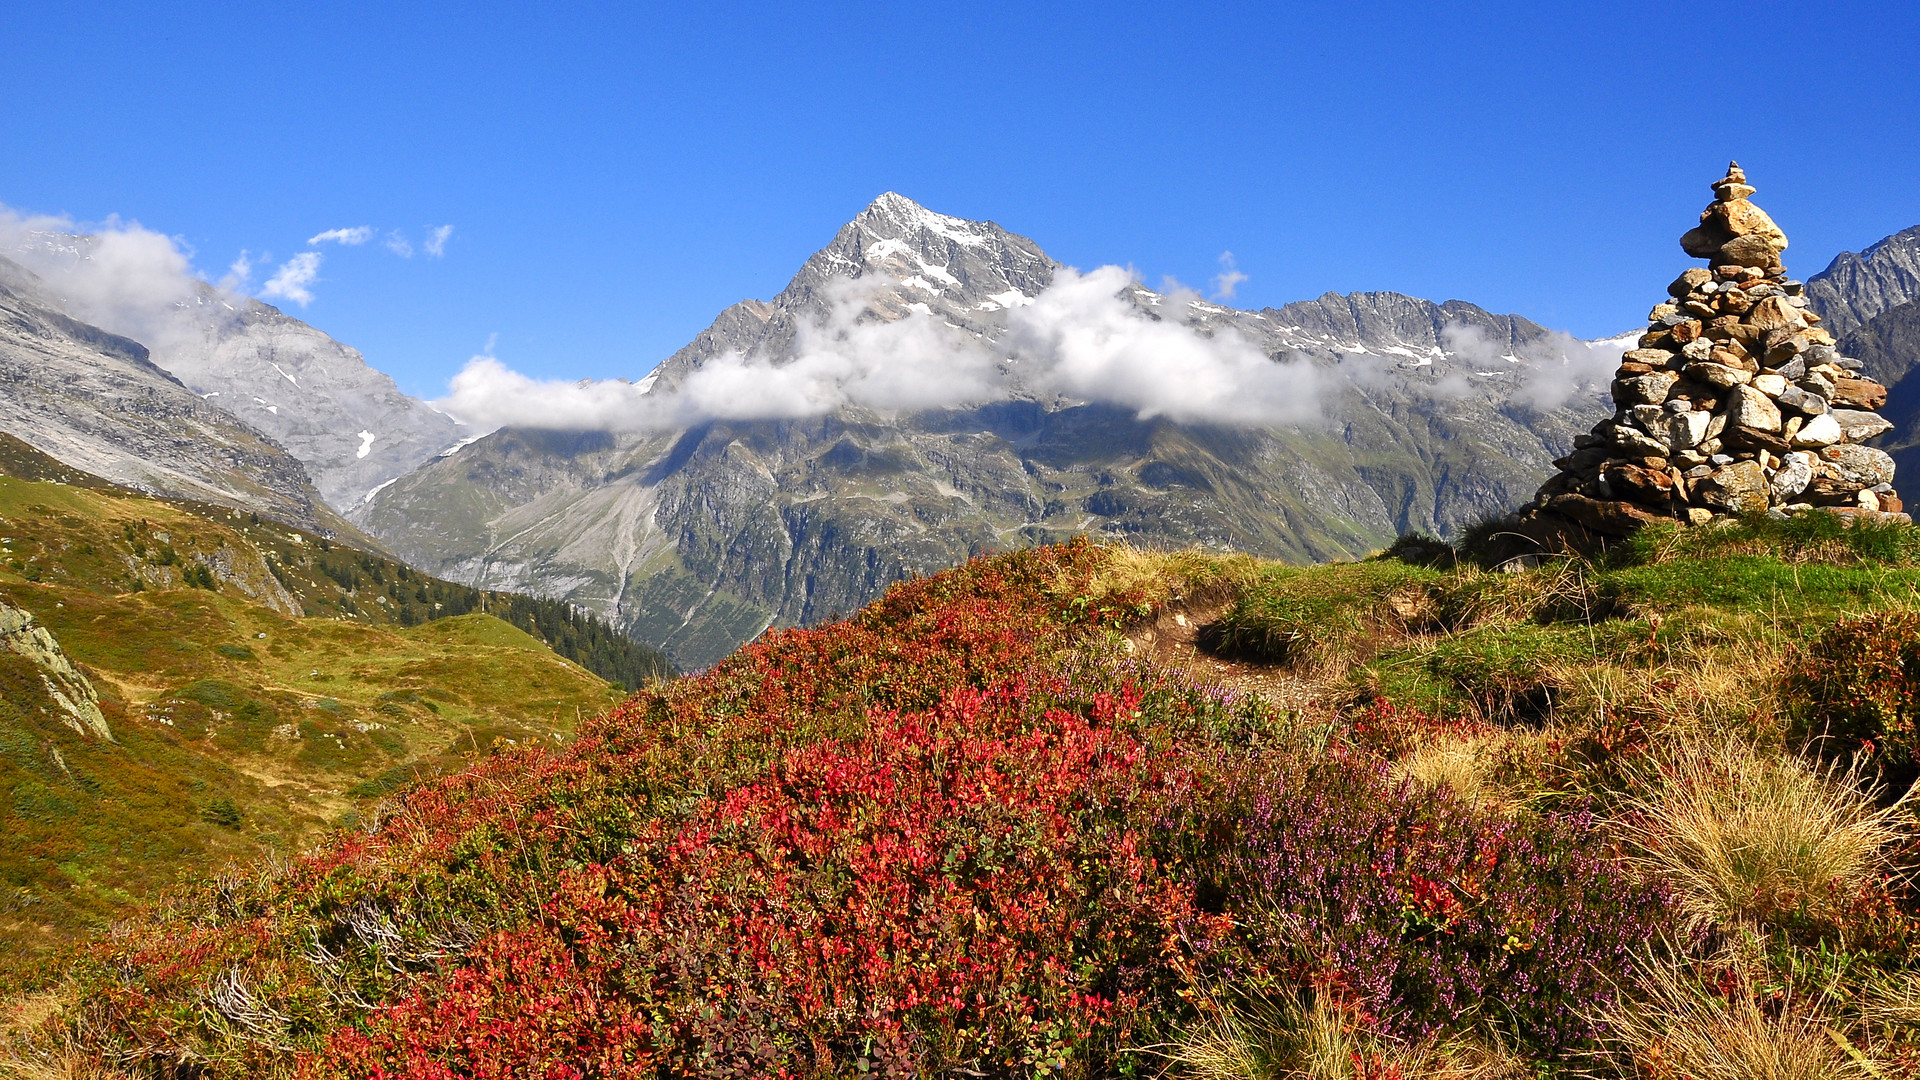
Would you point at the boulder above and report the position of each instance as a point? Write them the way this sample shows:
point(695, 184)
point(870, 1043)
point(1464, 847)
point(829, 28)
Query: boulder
point(1739, 488)
point(1720, 375)
point(1861, 466)
point(1774, 313)
point(1750, 409)
point(1857, 425)
point(1820, 431)
point(1688, 429)
point(1858, 394)
point(1792, 477)
point(1644, 389)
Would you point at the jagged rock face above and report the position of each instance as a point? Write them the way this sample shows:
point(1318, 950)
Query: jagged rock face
point(1735, 402)
point(1854, 289)
point(698, 539)
point(1888, 345)
point(348, 423)
point(67, 689)
point(96, 401)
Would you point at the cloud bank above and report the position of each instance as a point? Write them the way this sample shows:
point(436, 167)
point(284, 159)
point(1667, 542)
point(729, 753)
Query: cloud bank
point(1078, 339)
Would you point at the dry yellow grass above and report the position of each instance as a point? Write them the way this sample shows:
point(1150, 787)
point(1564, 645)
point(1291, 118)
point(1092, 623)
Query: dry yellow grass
point(1293, 1038)
point(1746, 838)
point(1162, 576)
point(1675, 1028)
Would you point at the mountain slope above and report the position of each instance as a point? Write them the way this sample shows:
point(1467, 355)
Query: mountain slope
point(1856, 287)
point(700, 537)
point(181, 684)
point(348, 423)
point(97, 402)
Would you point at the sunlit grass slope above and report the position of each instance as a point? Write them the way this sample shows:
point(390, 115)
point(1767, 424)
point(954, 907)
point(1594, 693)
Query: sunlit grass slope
point(262, 686)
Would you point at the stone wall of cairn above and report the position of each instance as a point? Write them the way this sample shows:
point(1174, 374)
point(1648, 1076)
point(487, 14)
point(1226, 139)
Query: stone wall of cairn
point(1734, 402)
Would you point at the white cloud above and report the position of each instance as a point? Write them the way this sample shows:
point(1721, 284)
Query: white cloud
point(1565, 366)
point(398, 244)
point(239, 275)
point(1078, 339)
point(353, 237)
point(120, 276)
point(436, 242)
point(1229, 278)
point(291, 280)
point(907, 364)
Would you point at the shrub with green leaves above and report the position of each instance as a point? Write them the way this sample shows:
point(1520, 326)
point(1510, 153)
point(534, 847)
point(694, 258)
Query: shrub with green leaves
point(1859, 683)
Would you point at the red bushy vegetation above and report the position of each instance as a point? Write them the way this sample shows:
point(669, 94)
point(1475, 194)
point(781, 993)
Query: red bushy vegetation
point(941, 835)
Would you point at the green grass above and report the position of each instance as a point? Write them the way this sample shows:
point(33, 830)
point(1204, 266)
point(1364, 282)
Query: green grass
point(1315, 615)
point(239, 729)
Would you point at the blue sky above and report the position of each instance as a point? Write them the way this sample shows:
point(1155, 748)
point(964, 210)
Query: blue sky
point(615, 175)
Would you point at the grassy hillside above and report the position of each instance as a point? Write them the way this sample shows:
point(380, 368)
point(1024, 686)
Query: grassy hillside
point(1631, 819)
point(261, 686)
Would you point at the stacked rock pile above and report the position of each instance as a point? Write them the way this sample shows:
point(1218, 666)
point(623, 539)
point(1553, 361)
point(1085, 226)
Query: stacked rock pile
point(1734, 402)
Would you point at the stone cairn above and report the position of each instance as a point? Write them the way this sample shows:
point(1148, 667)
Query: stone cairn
point(1735, 402)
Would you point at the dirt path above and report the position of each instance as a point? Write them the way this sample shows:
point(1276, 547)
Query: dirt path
point(1172, 639)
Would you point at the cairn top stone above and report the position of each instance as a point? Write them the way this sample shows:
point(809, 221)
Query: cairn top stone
point(1733, 231)
point(1732, 186)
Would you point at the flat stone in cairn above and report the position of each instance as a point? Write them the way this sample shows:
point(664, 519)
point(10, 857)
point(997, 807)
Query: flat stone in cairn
point(1734, 402)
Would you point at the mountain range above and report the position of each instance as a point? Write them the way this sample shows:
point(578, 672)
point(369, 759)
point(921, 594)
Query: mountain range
point(698, 537)
point(698, 530)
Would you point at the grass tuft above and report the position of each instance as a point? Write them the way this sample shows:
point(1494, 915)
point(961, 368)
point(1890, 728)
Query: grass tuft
point(1748, 839)
point(1676, 1027)
point(1296, 1035)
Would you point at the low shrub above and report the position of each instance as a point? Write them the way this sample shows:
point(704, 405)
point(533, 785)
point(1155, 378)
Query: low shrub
point(1857, 685)
point(1421, 911)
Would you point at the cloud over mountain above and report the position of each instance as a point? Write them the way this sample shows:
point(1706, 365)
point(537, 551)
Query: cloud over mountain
point(1079, 339)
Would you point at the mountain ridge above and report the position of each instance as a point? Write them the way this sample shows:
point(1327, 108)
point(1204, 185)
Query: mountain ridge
point(701, 537)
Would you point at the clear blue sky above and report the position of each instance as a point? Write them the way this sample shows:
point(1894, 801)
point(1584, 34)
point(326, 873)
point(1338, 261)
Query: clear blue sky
point(618, 174)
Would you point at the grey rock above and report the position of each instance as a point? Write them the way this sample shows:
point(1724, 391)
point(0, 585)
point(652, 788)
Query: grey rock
point(69, 690)
point(1738, 488)
point(1864, 466)
point(1855, 288)
point(1688, 429)
point(1858, 425)
point(97, 402)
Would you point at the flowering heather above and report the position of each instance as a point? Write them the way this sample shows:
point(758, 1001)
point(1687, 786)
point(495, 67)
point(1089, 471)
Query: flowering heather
point(950, 833)
point(1415, 908)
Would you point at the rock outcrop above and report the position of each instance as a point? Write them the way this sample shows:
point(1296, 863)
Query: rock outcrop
point(71, 692)
point(1735, 402)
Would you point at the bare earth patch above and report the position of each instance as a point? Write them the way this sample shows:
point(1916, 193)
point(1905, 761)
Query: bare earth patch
point(1173, 638)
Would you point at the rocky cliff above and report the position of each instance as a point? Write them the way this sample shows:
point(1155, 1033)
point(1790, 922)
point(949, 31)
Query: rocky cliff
point(348, 423)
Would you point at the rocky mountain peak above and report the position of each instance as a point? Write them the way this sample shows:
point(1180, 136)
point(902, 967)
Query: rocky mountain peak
point(1855, 288)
